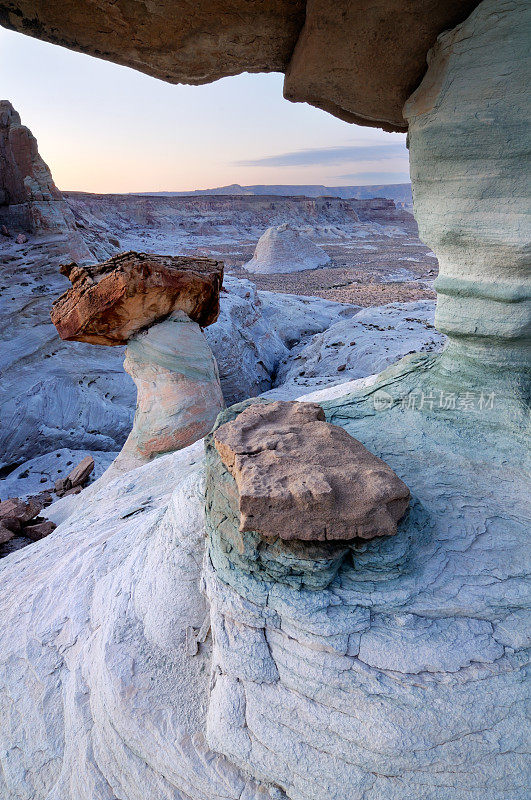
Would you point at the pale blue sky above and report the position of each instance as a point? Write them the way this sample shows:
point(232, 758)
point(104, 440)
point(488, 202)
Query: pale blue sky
point(106, 128)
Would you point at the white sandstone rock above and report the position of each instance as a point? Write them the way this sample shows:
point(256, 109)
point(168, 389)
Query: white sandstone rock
point(354, 348)
point(321, 695)
point(284, 249)
point(179, 394)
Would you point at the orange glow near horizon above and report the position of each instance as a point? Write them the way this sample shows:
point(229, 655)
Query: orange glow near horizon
point(108, 129)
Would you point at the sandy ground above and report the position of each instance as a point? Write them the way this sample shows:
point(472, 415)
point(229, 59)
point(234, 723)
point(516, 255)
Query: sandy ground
point(396, 270)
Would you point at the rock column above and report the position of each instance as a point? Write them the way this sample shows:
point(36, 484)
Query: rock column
point(468, 142)
point(179, 394)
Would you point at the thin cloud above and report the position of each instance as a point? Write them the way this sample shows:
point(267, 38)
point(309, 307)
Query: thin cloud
point(375, 177)
point(328, 156)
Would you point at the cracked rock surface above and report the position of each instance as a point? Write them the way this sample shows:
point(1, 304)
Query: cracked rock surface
point(109, 302)
point(298, 477)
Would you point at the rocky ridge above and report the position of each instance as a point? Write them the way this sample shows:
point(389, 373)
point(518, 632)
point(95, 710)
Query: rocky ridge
point(29, 199)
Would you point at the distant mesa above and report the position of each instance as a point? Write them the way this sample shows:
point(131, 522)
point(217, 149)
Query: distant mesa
point(284, 249)
point(399, 192)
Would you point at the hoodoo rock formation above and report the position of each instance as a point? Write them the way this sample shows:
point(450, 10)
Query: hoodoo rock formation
point(29, 199)
point(479, 227)
point(157, 305)
point(386, 668)
point(283, 249)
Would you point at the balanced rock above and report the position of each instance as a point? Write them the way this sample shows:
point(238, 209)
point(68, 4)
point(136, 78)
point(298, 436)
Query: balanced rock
point(157, 305)
point(109, 302)
point(283, 249)
point(301, 478)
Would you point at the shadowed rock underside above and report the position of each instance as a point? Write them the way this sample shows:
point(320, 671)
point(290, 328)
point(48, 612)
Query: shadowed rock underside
point(358, 60)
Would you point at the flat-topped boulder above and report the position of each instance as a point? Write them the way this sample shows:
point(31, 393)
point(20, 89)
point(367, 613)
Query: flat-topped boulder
point(302, 478)
point(109, 302)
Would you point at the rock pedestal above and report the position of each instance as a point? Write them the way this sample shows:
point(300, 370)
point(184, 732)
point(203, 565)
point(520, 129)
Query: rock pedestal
point(179, 394)
point(158, 305)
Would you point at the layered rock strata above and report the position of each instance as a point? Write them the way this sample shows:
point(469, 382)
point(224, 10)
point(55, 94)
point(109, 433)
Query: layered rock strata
point(468, 138)
point(178, 391)
point(109, 302)
point(157, 305)
point(403, 678)
point(397, 673)
point(29, 198)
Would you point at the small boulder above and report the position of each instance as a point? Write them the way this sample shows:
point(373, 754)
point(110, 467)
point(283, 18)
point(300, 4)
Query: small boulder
point(21, 238)
point(38, 529)
point(5, 533)
point(76, 478)
point(19, 518)
point(22, 510)
point(80, 473)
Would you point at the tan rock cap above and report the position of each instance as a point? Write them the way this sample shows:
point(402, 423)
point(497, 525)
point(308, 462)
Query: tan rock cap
point(302, 478)
point(109, 302)
point(357, 59)
point(361, 59)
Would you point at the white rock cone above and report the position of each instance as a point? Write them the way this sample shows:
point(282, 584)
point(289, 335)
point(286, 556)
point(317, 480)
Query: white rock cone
point(283, 249)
